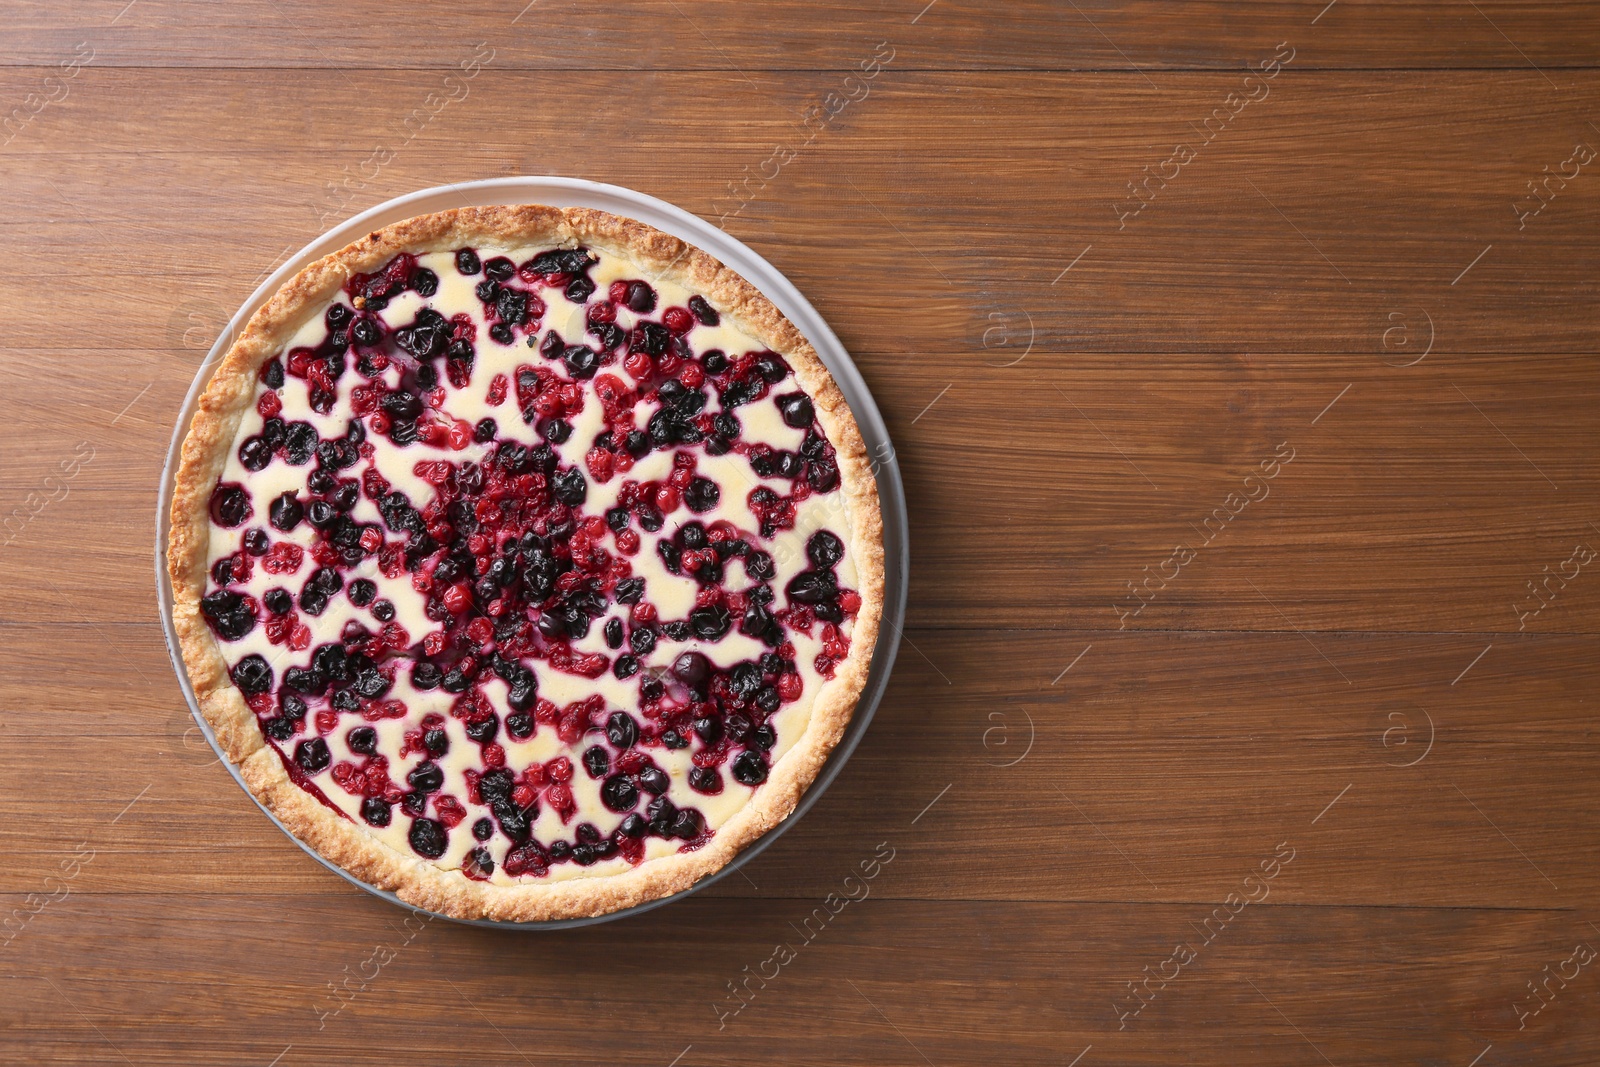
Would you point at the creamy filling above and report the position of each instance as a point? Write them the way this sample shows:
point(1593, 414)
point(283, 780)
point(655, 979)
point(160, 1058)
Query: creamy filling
point(528, 564)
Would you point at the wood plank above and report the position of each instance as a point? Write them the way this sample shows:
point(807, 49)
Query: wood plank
point(1418, 498)
point(1155, 769)
point(1143, 35)
point(231, 980)
point(1302, 227)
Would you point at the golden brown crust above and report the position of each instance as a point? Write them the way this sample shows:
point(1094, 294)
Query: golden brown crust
point(205, 451)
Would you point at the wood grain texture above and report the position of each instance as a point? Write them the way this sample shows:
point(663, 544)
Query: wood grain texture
point(1132, 681)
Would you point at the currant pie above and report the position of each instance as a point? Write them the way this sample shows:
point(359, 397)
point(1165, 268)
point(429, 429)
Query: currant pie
point(526, 561)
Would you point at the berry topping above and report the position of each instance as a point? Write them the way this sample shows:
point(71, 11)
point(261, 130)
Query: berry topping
point(614, 570)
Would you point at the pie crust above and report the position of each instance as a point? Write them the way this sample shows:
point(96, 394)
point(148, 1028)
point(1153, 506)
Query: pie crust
point(211, 440)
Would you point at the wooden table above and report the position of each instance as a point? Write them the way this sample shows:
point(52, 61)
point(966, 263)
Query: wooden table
point(1244, 392)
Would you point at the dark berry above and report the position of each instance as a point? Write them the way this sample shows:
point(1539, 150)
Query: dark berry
point(500, 333)
point(771, 368)
point(619, 794)
point(425, 777)
point(580, 289)
point(467, 262)
point(230, 506)
point(363, 739)
point(581, 360)
point(824, 550)
point(436, 741)
point(764, 737)
point(688, 825)
point(715, 361)
point(366, 332)
point(641, 298)
point(256, 542)
point(346, 496)
point(424, 675)
point(427, 837)
point(556, 431)
point(401, 405)
point(362, 592)
point(701, 495)
point(255, 454)
point(705, 780)
point(375, 811)
point(596, 761)
point(629, 590)
point(272, 373)
point(654, 780)
point(823, 476)
point(479, 864)
point(634, 826)
point(483, 731)
point(625, 667)
point(278, 601)
point(424, 281)
point(750, 768)
point(708, 729)
point(485, 431)
point(312, 755)
point(570, 487)
point(321, 514)
point(496, 785)
point(299, 441)
point(796, 409)
point(252, 675)
point(483, 829)
point(692, 668)
point(228, 614)
point(621, 730)
point(812, 587)
point(760, 566)
point(613, 631)
point(499, 268)
point(519, 724)
point(673, 739)
point(703, 312)
point(711, 623)
point(383, 610)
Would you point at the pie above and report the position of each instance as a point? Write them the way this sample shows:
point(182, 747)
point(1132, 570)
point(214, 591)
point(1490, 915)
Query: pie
point(526, 561)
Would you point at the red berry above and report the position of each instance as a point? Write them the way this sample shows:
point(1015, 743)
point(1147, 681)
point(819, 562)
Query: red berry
point(599, 462)
point(678, 320)
point(497, 390)
point(458, 598)
point(637, 364)
point(269, 405)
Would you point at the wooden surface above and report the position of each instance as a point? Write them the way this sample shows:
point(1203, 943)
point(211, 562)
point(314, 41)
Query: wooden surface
point(1072, 777)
